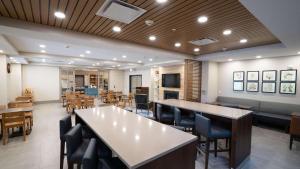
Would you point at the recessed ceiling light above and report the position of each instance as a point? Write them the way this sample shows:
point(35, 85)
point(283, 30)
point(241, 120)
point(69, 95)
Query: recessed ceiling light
point(177, 44)
point(130, 70)
point(161, 1)
point(93, 64)
point(11, 58)
point(258, 57)
point(299, 53)
point(98, 63)
point(118, 65)
point(139, 61)
point(173, 29)
point(60, 15)
point(88, 52)
point(43, 60)
point(116, 29)
point(196, 49)
point(152, 38)
point(230, 60)
point(43, 51)
point(114, 58)
point(202, 19)
point(227, 32)
point(124, 56)
point(42, 46)
point(1, 51)
point(81, 55)
point(150, 59)
point(243, 41)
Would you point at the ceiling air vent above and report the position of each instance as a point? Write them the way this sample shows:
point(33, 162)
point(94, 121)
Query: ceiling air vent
point(120, 11)
point(204, 41)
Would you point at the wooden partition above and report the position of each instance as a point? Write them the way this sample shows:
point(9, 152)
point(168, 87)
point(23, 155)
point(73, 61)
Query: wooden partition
point(193, 76)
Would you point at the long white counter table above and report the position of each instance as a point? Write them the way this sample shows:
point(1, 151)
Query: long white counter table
point(140, 142)
point(240, 121)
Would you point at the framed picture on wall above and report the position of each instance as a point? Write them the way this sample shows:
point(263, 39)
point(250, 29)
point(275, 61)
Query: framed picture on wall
point(269, 75)
point(288, 75)
point(287, 88)
point(238, 76)
point(238, 86)
point(252, 75)
point(252, 86)
point(268, 87)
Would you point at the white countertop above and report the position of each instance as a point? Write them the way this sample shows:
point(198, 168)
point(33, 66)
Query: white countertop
point(135, 139)
point(231, 113)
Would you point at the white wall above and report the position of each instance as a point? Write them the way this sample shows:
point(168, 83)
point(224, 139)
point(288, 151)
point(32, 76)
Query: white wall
point(3, 80)
point(209, 87)
point(43, 80)
point(116, 80)
point(146, 80)
point(226, 74)
point(14, 82)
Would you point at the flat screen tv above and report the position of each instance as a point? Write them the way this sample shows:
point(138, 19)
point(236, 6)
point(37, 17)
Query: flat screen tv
point(171, 80)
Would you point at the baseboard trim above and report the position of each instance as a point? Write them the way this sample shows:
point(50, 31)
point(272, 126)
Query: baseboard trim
point(48, 101)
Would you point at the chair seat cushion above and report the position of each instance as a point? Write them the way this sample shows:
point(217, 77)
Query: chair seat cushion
point(187, 122)
point(271, 115)
point(78, 154)
point(219, 133)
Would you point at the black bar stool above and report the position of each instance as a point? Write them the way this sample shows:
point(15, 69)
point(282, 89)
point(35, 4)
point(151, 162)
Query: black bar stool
point(185, 121)
point(204, 128)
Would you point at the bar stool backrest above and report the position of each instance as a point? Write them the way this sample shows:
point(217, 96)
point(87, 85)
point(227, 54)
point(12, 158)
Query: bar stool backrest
point(65, 125)
point(295, 126)
point(202, 125)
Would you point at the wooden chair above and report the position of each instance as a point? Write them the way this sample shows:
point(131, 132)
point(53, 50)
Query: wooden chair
point(19, 104)
point(294, 129)
point(12, 120)
point(2, 107)
point(111, 99)
point(130, 98)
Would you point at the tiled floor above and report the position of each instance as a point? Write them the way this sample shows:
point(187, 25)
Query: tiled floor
point(41, 150)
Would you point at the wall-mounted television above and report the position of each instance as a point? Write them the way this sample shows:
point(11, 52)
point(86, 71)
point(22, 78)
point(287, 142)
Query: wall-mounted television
point(171, 80)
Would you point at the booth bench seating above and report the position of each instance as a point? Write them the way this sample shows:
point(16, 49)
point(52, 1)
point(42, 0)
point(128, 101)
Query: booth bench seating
point(267, 113)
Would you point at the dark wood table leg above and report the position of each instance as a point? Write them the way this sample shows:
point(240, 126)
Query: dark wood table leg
point(241, 140)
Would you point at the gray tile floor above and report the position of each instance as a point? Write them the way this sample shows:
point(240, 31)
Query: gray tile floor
point(41, 150)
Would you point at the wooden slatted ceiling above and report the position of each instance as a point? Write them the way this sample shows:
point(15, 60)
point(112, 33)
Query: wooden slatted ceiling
point(176, 14)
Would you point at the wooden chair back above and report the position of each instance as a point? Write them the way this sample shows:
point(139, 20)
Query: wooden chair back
point(19, 104)
point(295, 126)
point(2, 107)
point(17, 118)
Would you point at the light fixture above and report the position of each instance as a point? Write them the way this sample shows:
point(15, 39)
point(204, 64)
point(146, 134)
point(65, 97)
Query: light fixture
point(139, 61)
point(298, 53)
point(177, 44)
point(243, 41)
point(18, 62)
point(118, 65)
point(150, 59)
point(42, 46)
point(227, 32)
point(114, 59)
point(81, 55)
point(43, 51)
point(1, 51)
point(230, 60)
point(124, 56)
point(202, 19)
point(44, 60)
point(130, 70)
point(258, 57)
point(98, 63)
point(93, 64)
point(11, 58)
point(152, 38)
point(116, 29)
point(60, 15)
point(196, 49)
point(88, 52)
point(161, 1)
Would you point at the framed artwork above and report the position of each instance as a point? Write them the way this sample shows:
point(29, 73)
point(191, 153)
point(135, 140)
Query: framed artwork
point(287, 88)
point(238, 76)
point(252, 86)
point(268, 87)
point(288, 75)
point(269, 75)
point(238, 86)
point(252, 75)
